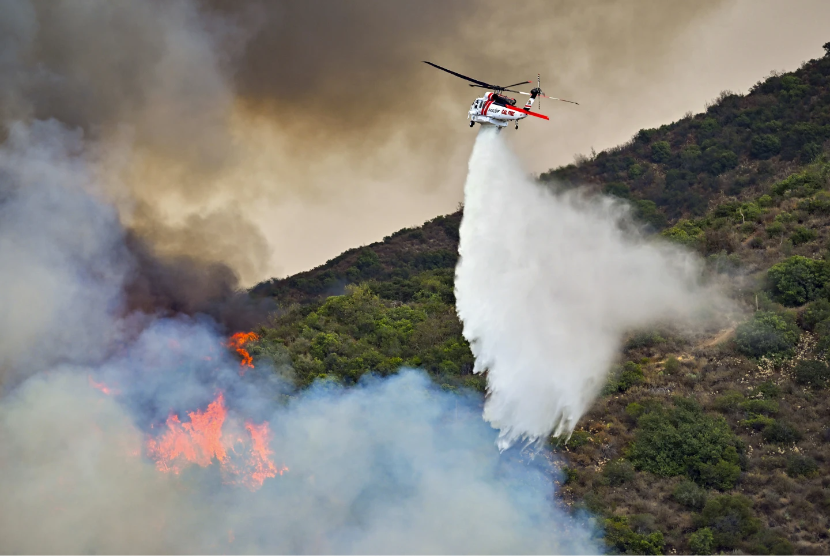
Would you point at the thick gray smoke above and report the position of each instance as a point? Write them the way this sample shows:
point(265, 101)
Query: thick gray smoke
point(391, 466)
point(546, 286)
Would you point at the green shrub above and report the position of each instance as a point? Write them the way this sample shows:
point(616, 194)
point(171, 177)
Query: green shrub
point(618, 471)
point(762, 407)
point(769, 390)
point(577, 439)
point(623, 378)
point(730, 518)
point(814, 313)
point(802, 235)
point(781, 432)
point(728, 401)
point(684, 232)
point(798, 280)
point(618, 534)
point(690, 495)
point(812, 373)
point(570, 475)
point(801, 466)
point(775, 229)
point(769, 542)
point(631, 375)
point(672, 365)
point(767, 334)
point(757, 422)
point(660, 152)
point(685, 440)
point(800, 184)
point(763, 147)
point(702, 541)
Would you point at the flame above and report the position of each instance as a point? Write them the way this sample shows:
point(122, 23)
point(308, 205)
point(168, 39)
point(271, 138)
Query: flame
point(102, 387)
point(237, 342)
point(201, 441)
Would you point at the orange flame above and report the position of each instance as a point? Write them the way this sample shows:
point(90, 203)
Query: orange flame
point(238, 342)
point(201, 441)
point(101, 386)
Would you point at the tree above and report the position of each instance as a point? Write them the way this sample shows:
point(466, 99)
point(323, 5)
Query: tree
point(763, 147)
point(767, 334)
point(684, 440)
point(661, 152)
point(702, 541)
point(730, 519)
point(812, 373)
point(798, 280)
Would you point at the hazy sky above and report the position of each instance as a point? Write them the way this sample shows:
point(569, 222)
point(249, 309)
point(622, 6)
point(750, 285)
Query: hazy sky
point(272, 136)
point(731, 46)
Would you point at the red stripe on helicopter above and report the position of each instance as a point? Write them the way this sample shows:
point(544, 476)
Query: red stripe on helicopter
point(529, 113)
point(486, 106)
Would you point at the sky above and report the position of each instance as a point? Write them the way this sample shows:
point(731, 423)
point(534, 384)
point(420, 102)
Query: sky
point(631, 83)
point(272, 136)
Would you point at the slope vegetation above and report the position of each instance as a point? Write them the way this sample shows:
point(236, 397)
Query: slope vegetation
point(698, 444)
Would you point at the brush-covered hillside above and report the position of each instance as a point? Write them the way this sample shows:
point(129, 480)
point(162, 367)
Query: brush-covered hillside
point(697, 445)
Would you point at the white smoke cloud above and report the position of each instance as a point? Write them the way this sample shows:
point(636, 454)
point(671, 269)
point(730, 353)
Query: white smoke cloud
point(547, 284)
point(391, 466)
point(394, 466)
point(61, 258)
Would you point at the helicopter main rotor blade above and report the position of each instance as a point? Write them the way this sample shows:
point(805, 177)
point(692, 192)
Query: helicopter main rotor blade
point(519, 83)
point(480, 83)
point(546, 96)
point(496, 89)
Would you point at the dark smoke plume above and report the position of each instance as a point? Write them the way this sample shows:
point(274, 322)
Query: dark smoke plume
point(192, 99)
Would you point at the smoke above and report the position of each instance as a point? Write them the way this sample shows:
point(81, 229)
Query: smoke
point(393, 466)
point(270, 136)
point(102, 367)
point(547, 284)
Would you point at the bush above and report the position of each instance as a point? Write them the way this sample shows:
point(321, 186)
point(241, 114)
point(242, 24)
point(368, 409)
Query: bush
point(798, 280)
point(803, 235)
point(618, 472)
point(684, 440)
point(690, 495)
point(757, 422)
point(762, 407)
point(618, 534)
point(781, 432)
point(702, 541)
point(728, 401)
point(763, 147)
point(767, 334)
point(630, 374)
point(812, 373)
point(815, 313)
point(769, 390)
point(730, 519)
point(798, 466)
point(660, 152)
point(577, 439)
point(672, 365)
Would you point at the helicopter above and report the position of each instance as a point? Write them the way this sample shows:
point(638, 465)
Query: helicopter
point(497, 109)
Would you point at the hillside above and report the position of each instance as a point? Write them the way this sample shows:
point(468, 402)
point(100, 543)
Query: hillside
point(698, 444)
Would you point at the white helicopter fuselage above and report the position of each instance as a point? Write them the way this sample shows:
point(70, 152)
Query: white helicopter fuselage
point(486, 112)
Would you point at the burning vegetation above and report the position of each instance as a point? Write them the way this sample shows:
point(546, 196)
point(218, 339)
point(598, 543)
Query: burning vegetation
point(244, 458)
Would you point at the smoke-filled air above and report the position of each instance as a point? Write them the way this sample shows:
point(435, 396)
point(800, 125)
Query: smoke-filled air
point(126, 430)
point(547, 283)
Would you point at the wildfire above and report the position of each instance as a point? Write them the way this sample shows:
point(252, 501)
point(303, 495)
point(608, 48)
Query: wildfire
point(238, 342)
point(202, 440)
point(101, 386)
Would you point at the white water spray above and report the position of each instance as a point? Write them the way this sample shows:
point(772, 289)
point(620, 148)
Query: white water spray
point(547, 284)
